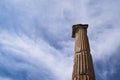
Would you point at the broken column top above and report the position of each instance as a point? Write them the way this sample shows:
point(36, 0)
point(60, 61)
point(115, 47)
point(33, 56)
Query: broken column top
point(78, 26)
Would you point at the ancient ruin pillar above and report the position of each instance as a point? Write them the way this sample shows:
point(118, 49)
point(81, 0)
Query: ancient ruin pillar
point(83, 65)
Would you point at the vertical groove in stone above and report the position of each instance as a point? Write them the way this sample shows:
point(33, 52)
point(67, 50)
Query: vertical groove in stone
point(81, 63)
point(75, 65)
point(82, 40)
point(78, 65)
point(84, 63)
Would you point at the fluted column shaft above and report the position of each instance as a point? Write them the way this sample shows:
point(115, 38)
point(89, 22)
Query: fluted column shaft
point(83, 65)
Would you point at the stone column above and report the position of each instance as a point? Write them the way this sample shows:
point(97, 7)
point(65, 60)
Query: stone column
point(83, 65)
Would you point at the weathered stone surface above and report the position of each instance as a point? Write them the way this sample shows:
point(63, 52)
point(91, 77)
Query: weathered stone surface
point(83, 65)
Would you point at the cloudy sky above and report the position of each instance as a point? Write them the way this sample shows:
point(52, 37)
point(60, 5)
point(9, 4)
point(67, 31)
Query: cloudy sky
point(36, 43)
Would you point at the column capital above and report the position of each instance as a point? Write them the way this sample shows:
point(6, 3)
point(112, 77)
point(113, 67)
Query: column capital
point(78, 26)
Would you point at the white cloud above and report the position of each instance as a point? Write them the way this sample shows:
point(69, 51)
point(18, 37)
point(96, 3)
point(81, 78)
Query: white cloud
point(105, 44)
point(2, 78)
point(37, 53)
